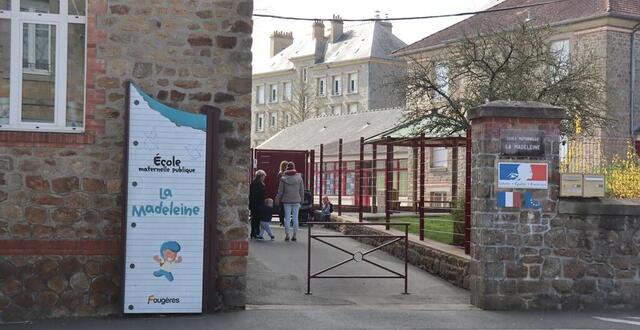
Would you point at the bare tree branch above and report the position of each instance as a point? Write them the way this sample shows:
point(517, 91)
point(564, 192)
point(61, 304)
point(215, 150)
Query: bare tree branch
point(505, 64)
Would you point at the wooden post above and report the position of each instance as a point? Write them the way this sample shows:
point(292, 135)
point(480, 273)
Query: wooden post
point(320, 178)
point(415, 176)
point(361, 180)
point(374, 170)
point(454, 175)
point(388, 182)
point(340, 177)
point(421, 203)
point(312, 176)
point(467, 195)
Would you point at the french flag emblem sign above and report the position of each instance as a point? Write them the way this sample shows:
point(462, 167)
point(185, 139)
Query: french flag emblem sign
point(509, 199)
point(523, 175)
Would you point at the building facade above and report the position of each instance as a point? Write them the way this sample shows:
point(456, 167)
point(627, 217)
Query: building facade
point(602, 28)
point(348, 70)
point(63, 69)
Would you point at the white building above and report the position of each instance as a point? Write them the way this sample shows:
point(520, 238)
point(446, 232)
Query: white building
point(347, 70)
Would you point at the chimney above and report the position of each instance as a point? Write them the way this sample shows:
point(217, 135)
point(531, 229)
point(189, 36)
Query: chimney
point(318, 30)
point(279, 41)
point(386, 25)
point(336, 28)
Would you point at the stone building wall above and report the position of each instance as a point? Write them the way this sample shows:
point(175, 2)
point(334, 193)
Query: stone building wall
point(569, 254)
point(60, 194)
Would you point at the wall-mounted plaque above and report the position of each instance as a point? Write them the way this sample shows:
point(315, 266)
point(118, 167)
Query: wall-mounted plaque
point(521, 142)
point(165, 207)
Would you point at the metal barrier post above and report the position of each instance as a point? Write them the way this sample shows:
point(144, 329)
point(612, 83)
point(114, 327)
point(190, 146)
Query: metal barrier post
point(308, 259)
point(406, 260)
point(361, 180)
point(421, 205)
point(340, 177)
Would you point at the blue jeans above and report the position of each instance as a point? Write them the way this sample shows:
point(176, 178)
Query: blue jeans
point(291, 213)
point(264, 227)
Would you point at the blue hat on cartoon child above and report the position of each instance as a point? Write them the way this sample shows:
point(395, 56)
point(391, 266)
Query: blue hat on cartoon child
point(170, 245)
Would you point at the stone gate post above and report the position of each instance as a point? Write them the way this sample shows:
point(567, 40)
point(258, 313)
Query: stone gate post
point(515, 185)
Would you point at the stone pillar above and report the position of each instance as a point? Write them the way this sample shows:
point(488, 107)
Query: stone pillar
point(507, 242)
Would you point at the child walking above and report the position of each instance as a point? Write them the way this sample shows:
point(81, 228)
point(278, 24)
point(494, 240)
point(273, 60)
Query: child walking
point(266, 212)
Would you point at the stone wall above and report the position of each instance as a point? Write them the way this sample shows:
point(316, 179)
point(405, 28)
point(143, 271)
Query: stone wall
point(447, 262)
point(60, 194)
point(569, 254)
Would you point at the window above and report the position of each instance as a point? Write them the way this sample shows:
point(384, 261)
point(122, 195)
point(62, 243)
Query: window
point(287, 119)
point(561, 50)
point(321, 87)
point(353, 107)
point(304, 74)
point(336, 85)
point(442, 80)
point(273, 94)
point(260, 95)
point(287, 91)
point(273, 119)
point(259, 122)
point(42, 65)
point(353, 83)
point(439, 157)
point(336, 109)
point(437, 198)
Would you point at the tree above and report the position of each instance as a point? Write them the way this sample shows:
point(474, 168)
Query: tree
point(497, 63)
point(304, 104)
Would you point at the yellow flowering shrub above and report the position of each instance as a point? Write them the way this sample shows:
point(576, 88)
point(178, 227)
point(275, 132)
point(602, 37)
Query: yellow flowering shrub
point(622, 172)
point(622, 176)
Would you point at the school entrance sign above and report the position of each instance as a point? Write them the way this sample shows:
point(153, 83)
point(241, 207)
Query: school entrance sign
point(167, 213)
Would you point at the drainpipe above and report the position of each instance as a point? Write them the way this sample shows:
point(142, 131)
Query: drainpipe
point(632, 93)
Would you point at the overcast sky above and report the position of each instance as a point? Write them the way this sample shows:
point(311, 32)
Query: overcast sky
point(408, 31)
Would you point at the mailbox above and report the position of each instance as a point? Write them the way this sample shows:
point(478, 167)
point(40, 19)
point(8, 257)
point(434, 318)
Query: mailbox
point(593, 186)
point(571, 185)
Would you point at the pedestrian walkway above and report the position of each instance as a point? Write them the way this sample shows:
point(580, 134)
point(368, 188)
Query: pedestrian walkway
point(277, 273)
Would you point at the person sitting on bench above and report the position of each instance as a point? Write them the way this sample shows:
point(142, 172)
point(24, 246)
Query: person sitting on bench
point(327, 209)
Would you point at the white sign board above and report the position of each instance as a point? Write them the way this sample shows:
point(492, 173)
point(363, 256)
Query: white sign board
point(523, 175)
point(165, 208)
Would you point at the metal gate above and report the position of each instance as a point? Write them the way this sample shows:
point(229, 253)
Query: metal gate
point(269, 161)
point(358, 256)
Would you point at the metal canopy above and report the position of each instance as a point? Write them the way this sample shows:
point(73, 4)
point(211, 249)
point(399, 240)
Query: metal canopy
point(408, 135)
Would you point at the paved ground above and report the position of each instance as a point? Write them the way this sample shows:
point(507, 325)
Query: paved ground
point(276, 301)
point(277, 276)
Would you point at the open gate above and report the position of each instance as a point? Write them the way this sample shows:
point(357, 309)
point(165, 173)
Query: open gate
point(269, 161)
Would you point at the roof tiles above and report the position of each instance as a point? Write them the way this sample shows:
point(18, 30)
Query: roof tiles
point(544, 14)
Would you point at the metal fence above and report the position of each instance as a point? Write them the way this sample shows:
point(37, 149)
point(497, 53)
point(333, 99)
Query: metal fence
point(417, 180)
point(615, 158)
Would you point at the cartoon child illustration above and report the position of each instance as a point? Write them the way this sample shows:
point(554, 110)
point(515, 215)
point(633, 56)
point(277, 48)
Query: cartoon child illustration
point(168, 256)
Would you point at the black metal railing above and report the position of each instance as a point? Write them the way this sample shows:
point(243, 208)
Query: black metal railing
point(358, 256)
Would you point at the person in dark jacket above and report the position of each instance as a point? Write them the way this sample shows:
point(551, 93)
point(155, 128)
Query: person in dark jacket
point(290, 195)
point(283, 167)
point(257, 195)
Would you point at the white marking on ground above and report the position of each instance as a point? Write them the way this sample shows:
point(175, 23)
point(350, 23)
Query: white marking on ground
point(607, 319)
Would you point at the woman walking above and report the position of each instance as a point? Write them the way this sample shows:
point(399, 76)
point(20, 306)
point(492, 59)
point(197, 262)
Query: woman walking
point(257, 196)
point(283, 167)
point(290, 195)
